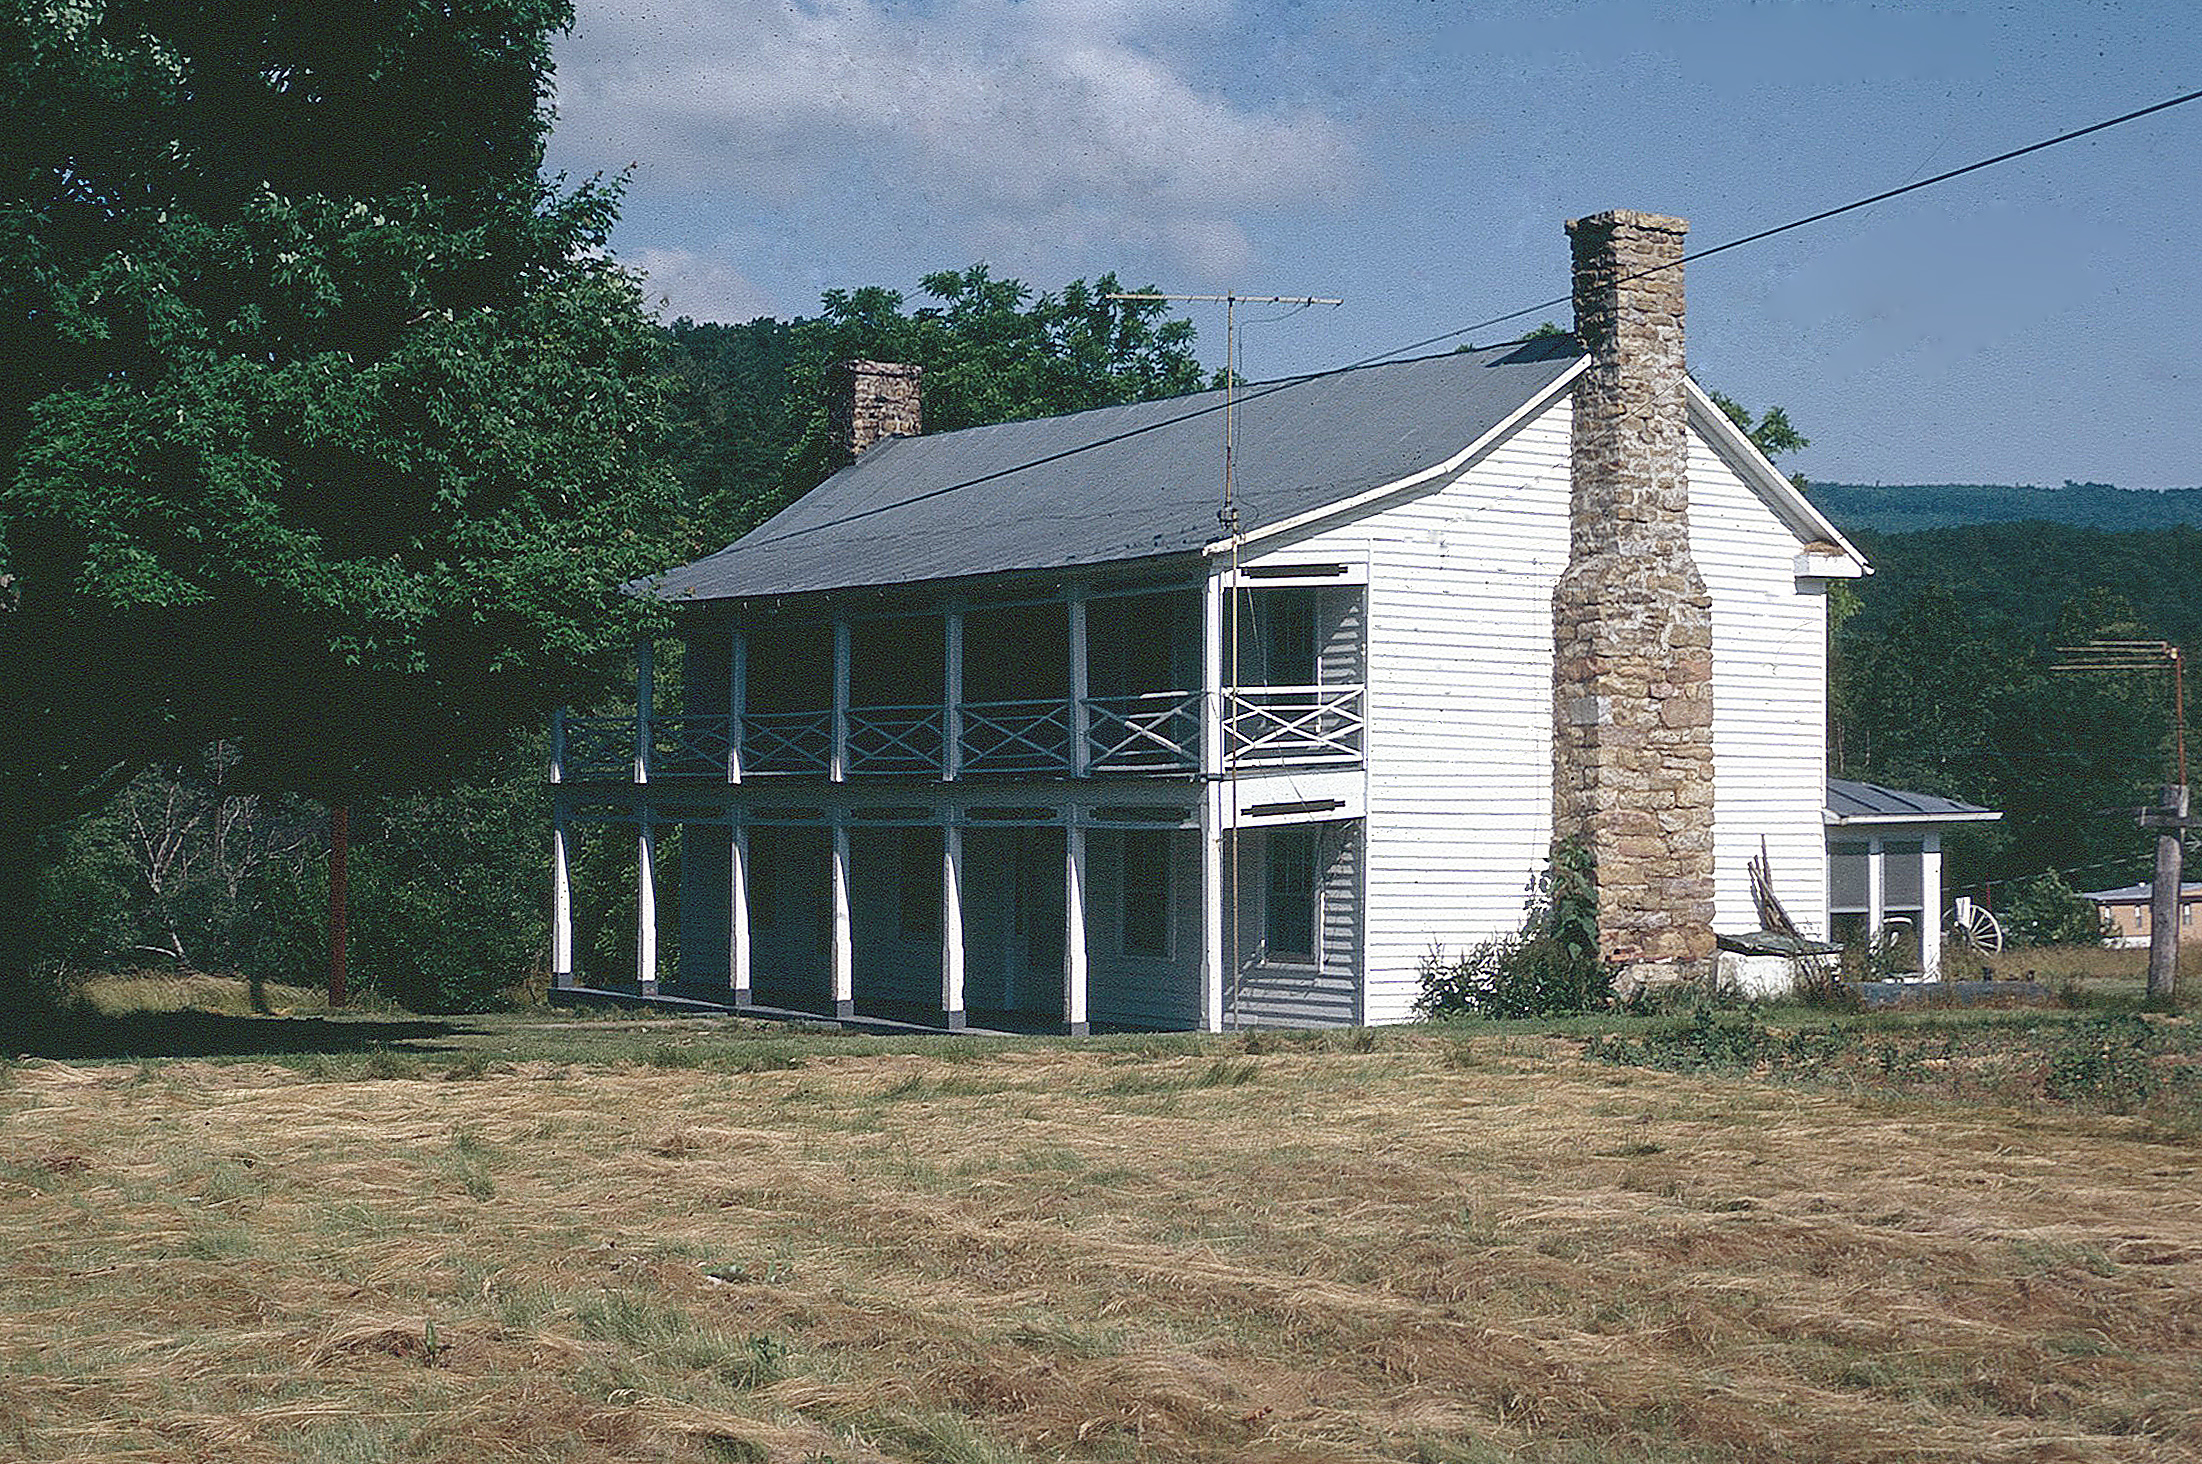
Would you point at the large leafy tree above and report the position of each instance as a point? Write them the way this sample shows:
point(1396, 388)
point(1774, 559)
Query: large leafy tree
point(327, 425)
point(753, 429)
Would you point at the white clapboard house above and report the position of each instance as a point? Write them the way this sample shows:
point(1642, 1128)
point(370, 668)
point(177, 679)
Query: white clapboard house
point(1003, 726)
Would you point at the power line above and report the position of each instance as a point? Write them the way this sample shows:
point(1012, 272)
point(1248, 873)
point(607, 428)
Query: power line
point(1288, 383)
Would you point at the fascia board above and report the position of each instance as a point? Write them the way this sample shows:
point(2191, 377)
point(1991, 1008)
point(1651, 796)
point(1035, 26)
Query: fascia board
point(1885, 820)
point(1781, 495)
point(1430, 475)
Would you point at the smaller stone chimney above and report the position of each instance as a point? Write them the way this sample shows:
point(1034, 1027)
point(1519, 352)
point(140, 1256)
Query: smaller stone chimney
point(869, 400)
point(1632, 676)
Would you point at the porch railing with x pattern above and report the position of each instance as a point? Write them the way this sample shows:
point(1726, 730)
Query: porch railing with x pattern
point(1294, 724)
point(1156, 732)
point(1016, 736)
point(895, 740)
point(787, 742)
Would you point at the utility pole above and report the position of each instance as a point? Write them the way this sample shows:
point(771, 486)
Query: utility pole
point(2172, 814)
point(1228, 517)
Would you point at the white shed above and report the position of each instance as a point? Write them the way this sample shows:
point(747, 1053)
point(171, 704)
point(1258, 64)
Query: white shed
point(1884, 866)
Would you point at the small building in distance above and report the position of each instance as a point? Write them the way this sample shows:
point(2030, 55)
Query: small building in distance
point(2125, 913)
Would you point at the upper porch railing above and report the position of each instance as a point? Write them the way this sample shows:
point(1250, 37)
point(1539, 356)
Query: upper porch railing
point(1152, 733)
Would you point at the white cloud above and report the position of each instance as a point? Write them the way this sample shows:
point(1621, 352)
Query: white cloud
point(683, 282)
point(972, 119)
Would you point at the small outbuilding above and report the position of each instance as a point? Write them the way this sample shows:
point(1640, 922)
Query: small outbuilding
point(1884, 864)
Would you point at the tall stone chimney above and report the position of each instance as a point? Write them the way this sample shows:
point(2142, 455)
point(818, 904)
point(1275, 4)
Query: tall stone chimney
point(868, 400)
point(1632, 676)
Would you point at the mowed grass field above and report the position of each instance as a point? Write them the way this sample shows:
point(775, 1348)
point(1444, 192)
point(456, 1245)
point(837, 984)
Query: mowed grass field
point(565, 1239)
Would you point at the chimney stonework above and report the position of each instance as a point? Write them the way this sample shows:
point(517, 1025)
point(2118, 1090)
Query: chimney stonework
point(869, 400)
point(1632, 747)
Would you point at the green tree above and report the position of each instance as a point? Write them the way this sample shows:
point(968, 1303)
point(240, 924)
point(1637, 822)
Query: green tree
point(993, 350)
point(328, 426)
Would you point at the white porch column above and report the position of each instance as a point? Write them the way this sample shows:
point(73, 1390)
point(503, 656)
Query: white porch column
point(951, 928)
point(1074, 929)
point(951, 716)
point(1876, 893)
point(646, 903)
point(1211, 670)
point(737, 914)
point(1212, 831)
point(561, 863)
point(838, 762)
point(561, 899)
point(645, 694)
point(1211, 908)
point(1080, 751)
point(737, 700)
point(1930, 895)
point(844, 937)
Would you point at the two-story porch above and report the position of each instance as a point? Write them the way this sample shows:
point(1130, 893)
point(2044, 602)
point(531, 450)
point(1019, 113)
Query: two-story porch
point(1135, 801)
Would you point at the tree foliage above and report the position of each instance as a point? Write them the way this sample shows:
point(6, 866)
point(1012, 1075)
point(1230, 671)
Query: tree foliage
point(753, 429)
point(328, 427)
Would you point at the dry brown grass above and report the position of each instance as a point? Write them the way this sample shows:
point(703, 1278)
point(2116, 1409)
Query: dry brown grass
point(1418, 1252)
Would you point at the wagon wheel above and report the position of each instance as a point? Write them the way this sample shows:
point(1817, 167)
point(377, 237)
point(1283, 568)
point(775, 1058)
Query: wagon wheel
point(1976, 927)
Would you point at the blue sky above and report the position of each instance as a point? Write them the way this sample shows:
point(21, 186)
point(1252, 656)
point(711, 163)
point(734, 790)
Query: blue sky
point(2036, 322)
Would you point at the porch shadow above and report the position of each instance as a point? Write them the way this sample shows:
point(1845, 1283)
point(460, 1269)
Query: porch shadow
point(93, 1035)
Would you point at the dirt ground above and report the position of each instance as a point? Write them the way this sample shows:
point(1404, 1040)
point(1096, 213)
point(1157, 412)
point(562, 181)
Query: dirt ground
point(1433, 1249)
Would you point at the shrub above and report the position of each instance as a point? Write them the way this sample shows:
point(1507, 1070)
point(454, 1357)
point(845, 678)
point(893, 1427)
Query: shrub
point(2046, 911)
point(1550, 968)
point(2104, 1062)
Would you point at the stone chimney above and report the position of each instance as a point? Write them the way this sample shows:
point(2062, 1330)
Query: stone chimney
point(1632, 675)
point(868, 400)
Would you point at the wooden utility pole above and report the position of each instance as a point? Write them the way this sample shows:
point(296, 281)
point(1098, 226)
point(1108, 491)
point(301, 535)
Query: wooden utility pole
point(2171, 819)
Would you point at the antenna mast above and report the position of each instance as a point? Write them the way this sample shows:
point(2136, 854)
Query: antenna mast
point(1228, 516)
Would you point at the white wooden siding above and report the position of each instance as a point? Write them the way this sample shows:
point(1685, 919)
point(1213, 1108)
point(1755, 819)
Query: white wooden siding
point(1459, 634)
point(1769, 698)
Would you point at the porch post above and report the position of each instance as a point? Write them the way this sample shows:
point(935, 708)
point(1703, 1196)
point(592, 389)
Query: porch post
point(737, 913)
point(1930, 896)
point(1212, 831)
point(951, 714)
point(737, 700)
point(844, 940)
point(561, 862)
point(838, 764)
point(1074, 928)
point(561, 899)
point(951, 927)
point(1876, 896)
point(1080, 751)
point(645, 694)
point(646, 903)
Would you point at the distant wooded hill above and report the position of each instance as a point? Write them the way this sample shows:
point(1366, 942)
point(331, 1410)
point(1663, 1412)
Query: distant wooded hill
point(1908, 508)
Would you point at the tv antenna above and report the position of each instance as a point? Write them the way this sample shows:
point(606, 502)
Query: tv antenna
point(1228, 516)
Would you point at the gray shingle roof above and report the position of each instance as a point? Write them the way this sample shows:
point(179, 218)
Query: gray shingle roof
point(2126, 894)
point(1852, 800)
point(928, 508)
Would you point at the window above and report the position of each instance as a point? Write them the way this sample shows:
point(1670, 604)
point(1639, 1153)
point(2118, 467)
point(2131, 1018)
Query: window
point(1146, 888)
point(1289, 906)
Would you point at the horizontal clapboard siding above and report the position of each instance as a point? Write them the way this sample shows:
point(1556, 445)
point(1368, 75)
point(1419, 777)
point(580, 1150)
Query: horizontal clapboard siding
point(1459, 702)
point(1769, 698)
point(1296, 994)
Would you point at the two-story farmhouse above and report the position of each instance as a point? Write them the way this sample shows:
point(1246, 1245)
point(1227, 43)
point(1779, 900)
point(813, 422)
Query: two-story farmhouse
point(1005, 725)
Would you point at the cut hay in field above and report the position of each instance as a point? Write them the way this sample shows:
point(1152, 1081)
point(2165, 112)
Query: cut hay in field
point(1423, 1251)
